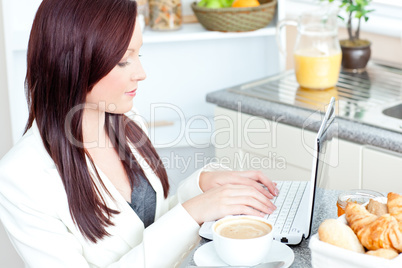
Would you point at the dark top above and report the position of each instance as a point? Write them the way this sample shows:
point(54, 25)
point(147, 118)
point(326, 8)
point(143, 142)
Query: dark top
point(143, 201)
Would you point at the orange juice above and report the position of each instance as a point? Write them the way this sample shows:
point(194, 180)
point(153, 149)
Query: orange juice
point(317, 71)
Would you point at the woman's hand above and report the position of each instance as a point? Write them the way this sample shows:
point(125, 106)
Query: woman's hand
point(256, 179)
point(228, 199)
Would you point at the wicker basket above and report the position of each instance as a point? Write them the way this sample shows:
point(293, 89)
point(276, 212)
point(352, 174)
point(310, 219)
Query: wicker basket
point(235, 19)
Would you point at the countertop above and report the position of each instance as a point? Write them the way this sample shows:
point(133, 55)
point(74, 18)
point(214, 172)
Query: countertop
point(353, 131)
point(325, 208)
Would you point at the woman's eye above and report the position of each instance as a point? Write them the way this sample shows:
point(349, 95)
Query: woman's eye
point(123, 64)
point(127, 62)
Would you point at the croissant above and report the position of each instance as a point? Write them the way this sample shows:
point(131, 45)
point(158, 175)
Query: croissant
point(381, 233)
point(374, 232)
point(358, 217)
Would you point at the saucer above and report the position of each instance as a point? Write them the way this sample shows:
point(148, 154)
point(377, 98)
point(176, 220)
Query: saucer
point(207, 256)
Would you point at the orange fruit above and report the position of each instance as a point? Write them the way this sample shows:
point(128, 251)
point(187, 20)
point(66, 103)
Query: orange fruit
point(245, 3)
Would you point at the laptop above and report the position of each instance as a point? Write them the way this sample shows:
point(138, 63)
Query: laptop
point(293, 217)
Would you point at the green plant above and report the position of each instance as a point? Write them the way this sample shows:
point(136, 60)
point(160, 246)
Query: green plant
point(354, 9)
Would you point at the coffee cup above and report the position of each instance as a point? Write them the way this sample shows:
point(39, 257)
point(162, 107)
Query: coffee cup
point(242, 240)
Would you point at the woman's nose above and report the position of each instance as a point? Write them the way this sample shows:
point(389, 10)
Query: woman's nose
point(138, 73)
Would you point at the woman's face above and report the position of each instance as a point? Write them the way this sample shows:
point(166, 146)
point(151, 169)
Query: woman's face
point(114, 93)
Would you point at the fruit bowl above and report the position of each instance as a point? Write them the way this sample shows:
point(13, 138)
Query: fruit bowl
point(235, 19)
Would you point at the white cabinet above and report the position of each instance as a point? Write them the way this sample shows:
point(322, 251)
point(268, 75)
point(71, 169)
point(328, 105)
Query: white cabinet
point(247, 142)
point(345, 173)
point(284, 152)
point(381, 170)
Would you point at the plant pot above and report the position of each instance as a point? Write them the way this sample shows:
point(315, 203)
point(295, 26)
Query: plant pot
point(355, 55)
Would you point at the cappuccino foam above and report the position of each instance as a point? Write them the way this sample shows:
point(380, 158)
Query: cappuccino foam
point(243, 229)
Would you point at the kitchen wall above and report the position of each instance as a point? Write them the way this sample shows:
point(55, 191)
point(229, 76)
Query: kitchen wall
point(5, 133)
point(383, 48)
point(387, 48)
point(9, 257)
point(383, 29)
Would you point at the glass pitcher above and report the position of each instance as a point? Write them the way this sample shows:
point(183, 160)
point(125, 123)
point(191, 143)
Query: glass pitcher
point(317, 54)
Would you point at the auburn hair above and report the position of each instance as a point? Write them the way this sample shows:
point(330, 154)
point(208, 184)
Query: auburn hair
point(73, 44)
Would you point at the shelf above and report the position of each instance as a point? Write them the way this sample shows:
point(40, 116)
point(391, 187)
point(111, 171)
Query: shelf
point(188, 32)
point(195, 31)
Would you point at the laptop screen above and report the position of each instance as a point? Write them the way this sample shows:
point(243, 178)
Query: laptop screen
point(321, 154)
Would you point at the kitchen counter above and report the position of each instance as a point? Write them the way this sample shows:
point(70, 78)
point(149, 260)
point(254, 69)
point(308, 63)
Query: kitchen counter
point(325, 208)
point(349, 129)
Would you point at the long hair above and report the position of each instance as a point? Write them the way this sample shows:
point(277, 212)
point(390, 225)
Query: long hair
point(73, 44)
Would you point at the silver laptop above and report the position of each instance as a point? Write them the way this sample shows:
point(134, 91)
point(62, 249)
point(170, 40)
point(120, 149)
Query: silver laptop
point(293, 217)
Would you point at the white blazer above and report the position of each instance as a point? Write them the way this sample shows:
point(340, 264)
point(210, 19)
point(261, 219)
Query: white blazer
point(36, 216)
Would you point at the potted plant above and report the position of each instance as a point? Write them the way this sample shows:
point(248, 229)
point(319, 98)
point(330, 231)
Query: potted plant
point(355, 51)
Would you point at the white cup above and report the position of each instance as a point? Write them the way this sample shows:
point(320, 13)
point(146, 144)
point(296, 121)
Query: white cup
point(242, 240)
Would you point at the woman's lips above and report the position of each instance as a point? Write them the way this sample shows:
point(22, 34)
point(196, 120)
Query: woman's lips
point(131, 93)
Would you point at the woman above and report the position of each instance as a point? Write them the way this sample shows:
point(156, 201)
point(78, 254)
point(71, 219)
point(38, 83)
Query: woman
point(84, 187)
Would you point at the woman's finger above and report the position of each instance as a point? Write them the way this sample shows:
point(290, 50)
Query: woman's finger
point(242, 180)
point(245, 210)
point(253, 203)
point(248, 195)
point(260, 177)
point(228, 199)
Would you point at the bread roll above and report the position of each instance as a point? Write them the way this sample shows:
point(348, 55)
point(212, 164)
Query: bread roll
point(386, 253)
point(338, 234)
point(377, 208)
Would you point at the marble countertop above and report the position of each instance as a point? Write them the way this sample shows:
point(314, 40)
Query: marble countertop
point(325, 208)
point(347, 130)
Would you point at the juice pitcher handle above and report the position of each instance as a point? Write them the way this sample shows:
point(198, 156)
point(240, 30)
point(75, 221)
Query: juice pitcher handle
point(279, 27)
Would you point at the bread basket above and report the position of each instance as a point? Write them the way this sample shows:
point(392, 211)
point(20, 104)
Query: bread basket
point(324, 255)
point(236, 19)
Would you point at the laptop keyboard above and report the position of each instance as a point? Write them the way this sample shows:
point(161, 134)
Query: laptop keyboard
point(287, 203)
